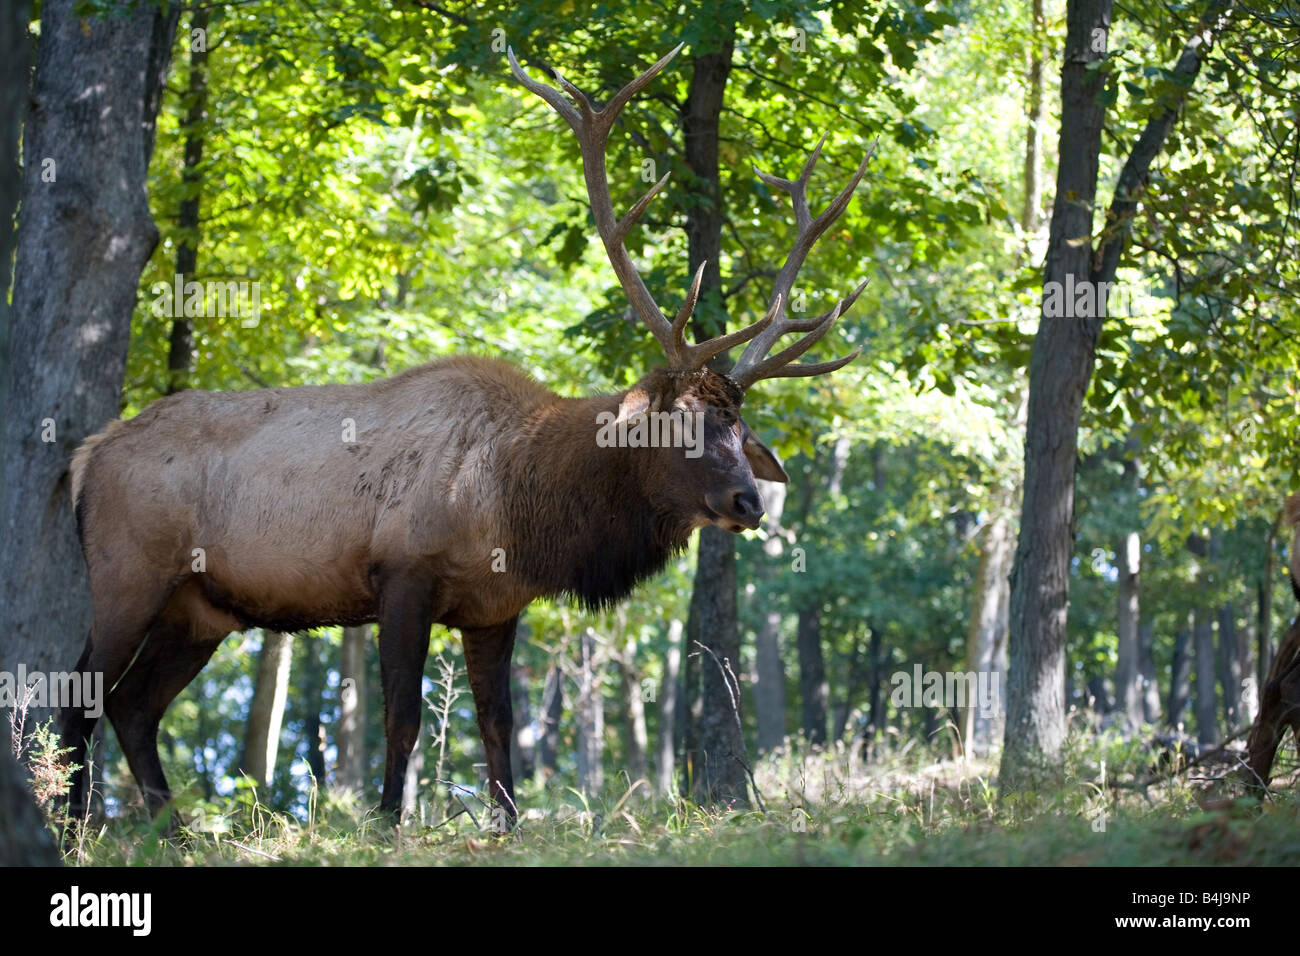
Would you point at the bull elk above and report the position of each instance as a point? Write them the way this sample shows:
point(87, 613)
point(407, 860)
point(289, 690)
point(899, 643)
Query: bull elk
point(468, 491)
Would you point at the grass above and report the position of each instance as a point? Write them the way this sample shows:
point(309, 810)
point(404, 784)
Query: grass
point(823, 809)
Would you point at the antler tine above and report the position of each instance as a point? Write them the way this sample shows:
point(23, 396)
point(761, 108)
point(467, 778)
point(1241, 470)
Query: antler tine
point(684, 313)
point(816, 329)
point(753, 364)
point(697, 355)
point(592, 128)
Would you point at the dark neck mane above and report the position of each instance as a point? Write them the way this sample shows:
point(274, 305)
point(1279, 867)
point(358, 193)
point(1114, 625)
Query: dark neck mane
point(582, 519)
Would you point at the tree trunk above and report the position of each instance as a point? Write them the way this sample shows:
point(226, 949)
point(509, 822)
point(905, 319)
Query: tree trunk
point(1036, 107)
point(635, 738)
point(181, 347)
point(589, 709)
point(669, 694)
point(350, 738)
point(1128, 678)
point(548, 737)
point(1264, 589)
point(1180, 675)
point(1230, 669)
point(716, 761)
point(1207, 731)
point(769, 687)
point(986, 639)
point(523, 746)
point(24, 839)
point(813, 689)
point(311, 665)
point(1060, 368)
point(266, 714)
point(875, 681)
point(411, 789)
point(1147, 661)
point(84, 235)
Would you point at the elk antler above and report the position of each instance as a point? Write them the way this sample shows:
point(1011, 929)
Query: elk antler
point(592, 128)
point(753, 365)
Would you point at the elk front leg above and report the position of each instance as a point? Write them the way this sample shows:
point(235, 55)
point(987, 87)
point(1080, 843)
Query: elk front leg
point(405, 618)
point(487, 659)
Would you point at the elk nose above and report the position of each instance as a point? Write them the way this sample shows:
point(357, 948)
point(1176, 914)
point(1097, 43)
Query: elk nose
point(747, 507)
point(736, 508)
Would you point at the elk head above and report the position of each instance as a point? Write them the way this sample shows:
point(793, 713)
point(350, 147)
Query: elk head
point(715, 486)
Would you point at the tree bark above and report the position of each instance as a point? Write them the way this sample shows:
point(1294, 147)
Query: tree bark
point(665, 763)
point(769, 687)
point(548, 738)
point(1128, 678)
point(523, 748)
point(350, 738)
point(986, 638)
point(181, 345)
point(266, 713)
point(1036, 108)
point(635, 738)
point(84, 235)
point(312, 668)
point(1060, 369)
point(1180, 675)
point(24, 839)
point(1230, 669)
point(715, 763)
point(1147, 661)
point(1061, 362)
point(589, 708)
point(813, 689)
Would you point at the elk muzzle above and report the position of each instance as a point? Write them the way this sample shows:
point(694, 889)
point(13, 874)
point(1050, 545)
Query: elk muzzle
point(737, 508)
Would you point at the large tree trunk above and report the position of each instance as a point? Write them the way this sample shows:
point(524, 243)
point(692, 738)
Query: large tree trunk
point(181, 346)
point(84, 235)
point(716, 762)
point(266, 714)
point(350, 738)
point(769, 687)
point(1060, 369)
point(666, 750)
point(24, 840)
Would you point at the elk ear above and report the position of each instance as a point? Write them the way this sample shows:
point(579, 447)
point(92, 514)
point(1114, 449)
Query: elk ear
point(635, 402)
point(762, 462)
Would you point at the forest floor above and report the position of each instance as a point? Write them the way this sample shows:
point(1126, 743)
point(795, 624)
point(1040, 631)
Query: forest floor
point(822, 809)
